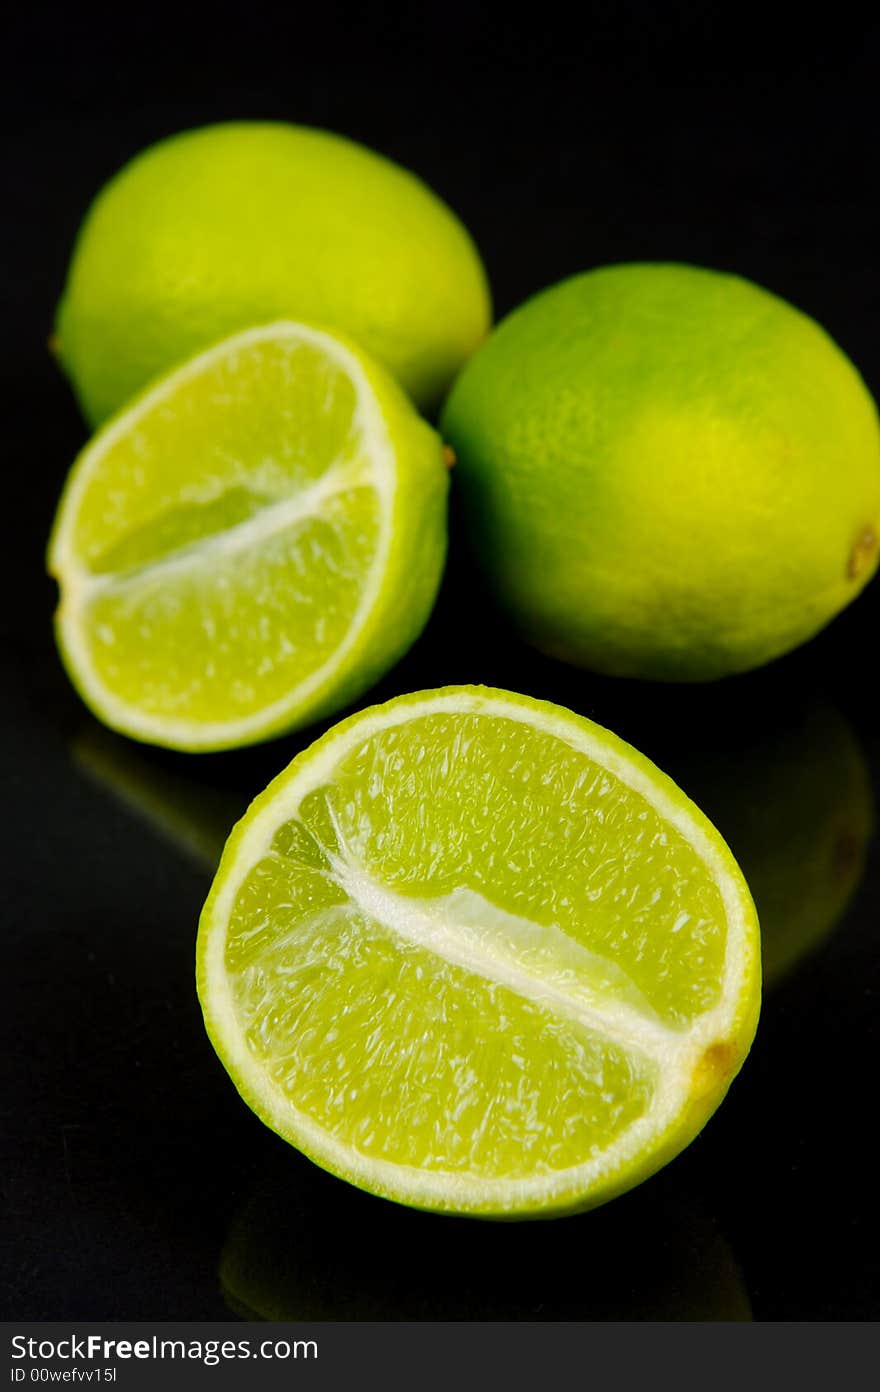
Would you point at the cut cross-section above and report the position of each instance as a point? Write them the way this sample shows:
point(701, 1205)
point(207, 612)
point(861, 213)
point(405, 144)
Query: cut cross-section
point(472, 952)
point(250, 544)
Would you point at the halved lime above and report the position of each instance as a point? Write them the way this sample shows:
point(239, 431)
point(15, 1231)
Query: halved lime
point(474, 953)
point(250, 544)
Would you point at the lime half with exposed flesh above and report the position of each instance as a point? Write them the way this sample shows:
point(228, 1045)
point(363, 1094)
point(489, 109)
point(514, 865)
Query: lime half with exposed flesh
point(474, 953)
point(249, 545)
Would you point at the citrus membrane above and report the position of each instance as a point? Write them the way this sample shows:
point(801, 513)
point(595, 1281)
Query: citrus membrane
point(250, 544)
point(474, 953)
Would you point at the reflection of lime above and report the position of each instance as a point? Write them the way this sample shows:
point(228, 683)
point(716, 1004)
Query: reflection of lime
point(668, 472)
point(250, 544)
point(195, 817)
point(233, 225)
point(797, 811)
point(472, 952)
point(296, 1252)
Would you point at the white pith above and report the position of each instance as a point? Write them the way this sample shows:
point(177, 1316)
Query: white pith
point(268, 522)
point(80, 586)
point(676, 1053)
point(426, 925)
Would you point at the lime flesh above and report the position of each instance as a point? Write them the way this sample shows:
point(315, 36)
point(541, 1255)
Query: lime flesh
point(472, 952)
point(250, 544)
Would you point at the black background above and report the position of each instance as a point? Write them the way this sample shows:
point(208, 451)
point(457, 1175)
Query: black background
point(131, 1171)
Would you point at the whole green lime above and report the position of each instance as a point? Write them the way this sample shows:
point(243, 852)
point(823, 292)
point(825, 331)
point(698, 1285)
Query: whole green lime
point(667, 472)
point(233, 225)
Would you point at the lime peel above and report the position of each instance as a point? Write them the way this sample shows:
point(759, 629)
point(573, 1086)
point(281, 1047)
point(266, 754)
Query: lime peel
point(668, 473)
point(212, 230)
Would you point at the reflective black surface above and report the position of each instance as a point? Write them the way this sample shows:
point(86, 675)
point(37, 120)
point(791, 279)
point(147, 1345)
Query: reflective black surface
point(134, 1181)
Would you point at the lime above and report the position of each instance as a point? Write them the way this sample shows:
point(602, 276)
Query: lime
point(250, 544)
point(668, 472)
point(474, 953)
point(221, 228)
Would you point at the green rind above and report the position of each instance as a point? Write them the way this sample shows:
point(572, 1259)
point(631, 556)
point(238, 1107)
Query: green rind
point(667, 472)
point(213, 229)
point(412, 575)
point(667, 1143)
